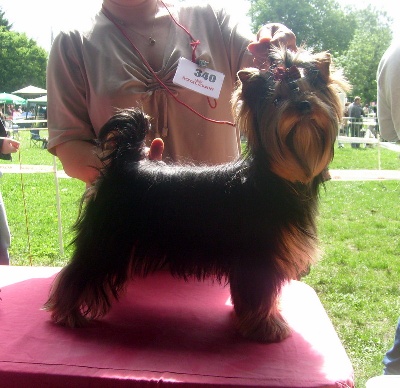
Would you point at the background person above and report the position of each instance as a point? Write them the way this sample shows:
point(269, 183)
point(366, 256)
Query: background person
point(7, 146)
point(388, 113)
point(391, 360)
point(129, 57)
point(355, 113)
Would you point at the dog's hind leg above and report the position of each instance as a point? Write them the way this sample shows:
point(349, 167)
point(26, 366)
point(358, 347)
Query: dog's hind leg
point(98, 270)
point(255, 295)
point(66, 295)
point(85, 288)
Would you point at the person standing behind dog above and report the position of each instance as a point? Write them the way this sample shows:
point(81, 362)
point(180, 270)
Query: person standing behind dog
point(388, 113)
point(7, 146)
point(131, 56)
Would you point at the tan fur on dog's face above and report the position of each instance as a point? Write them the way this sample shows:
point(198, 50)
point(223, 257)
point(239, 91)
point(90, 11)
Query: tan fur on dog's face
point(295, 119)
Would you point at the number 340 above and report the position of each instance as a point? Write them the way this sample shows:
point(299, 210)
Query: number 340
point(205, 75)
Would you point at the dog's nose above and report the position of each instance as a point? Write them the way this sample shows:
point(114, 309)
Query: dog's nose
point(305, 107)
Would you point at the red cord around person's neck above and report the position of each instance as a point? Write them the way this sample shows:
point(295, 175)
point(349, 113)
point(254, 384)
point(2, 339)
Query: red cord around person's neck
point(194, 43)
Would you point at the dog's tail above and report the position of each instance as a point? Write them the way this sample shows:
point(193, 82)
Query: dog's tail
point(123, 136)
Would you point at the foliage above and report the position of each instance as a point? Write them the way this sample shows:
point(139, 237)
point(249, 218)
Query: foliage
point(22, 61)
point(4, 22)
point(319, 24)
point(357, 38)
point(360, 62)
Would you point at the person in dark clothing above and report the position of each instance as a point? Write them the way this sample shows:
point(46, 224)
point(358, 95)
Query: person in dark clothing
point(355, 113)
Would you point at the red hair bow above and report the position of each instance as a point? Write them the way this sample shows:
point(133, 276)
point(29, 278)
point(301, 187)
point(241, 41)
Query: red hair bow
point(282, 74)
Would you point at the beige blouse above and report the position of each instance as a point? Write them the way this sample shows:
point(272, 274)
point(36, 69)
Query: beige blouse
point(91, 74)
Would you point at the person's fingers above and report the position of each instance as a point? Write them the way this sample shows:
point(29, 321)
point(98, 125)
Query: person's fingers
point(273, 34)
point(10, 146)
point(15, 144)
point(156, 149)
point(260, 48)
point(284, 38)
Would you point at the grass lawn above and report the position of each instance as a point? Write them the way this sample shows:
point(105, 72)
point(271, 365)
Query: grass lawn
point(357, 278)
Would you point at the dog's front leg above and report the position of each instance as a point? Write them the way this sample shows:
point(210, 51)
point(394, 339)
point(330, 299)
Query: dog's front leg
point(255, 295)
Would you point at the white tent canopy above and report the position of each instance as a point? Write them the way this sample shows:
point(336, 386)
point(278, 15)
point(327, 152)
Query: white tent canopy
point(42, 99)
point(31, 90)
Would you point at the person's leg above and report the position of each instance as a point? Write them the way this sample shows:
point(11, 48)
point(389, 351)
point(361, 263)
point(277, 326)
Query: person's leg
point(4, 235)
point(391, 361)
point(353, 132)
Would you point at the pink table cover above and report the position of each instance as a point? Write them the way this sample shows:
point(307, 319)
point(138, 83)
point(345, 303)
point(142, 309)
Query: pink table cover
point(164, 331)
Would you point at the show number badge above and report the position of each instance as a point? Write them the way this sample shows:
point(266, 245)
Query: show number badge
point(199, 79)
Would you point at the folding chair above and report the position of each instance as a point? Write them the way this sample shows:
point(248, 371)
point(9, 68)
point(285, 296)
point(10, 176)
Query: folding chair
point(36, 140)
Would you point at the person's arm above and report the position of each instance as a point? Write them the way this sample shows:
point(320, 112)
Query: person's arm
point(8, 146)
point(80, 159)
point(71, 136)
point(3, 155)
point(389, 95)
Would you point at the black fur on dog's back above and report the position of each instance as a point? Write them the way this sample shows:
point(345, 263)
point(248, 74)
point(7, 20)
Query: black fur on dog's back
point(199, 220)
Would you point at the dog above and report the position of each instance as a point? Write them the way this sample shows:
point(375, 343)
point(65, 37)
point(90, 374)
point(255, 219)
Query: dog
point(250, 223)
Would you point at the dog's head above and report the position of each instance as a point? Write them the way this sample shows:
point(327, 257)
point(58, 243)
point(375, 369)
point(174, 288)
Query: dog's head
point(291, 112)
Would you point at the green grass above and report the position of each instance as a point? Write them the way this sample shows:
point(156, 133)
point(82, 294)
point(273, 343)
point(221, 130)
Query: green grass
point(357, 278)
point(31, 207)
point(348, 158)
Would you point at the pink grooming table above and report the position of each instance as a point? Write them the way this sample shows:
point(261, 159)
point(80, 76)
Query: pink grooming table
point(164, 331)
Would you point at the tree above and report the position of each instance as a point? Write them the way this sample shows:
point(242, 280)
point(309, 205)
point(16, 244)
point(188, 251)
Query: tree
point(360, 62)
point(357, 38)
point(4, 22)
point(22, 61)
point(319, 24)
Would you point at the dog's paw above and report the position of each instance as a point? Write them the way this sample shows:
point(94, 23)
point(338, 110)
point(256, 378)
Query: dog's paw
point(271, 329)
point(70, 319)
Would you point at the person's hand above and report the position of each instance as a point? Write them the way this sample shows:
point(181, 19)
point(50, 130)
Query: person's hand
point(9, 145)
point(271, 35)
point(154, 152)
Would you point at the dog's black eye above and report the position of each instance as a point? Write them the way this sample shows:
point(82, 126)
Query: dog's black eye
point(277, 101)
point(294, 87)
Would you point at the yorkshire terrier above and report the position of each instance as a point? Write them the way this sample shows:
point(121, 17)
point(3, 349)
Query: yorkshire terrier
point(250, 223)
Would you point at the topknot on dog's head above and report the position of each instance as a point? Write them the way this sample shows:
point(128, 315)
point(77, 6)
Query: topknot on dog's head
point(291, 112)
point(315, 67)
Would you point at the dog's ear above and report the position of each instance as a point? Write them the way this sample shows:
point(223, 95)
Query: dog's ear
point(244, 75)
point(253, 88)
point(323, 64)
